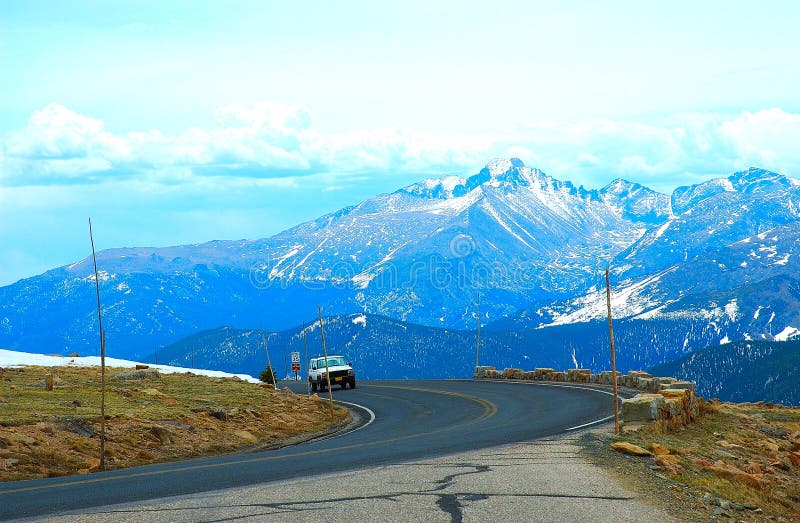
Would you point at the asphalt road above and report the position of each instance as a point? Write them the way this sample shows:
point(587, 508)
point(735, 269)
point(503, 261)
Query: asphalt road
point(413, 420)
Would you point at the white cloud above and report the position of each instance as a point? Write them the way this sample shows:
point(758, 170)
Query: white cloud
point(276, 141)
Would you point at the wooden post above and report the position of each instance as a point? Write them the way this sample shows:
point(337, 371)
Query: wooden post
point(613, 355)
point(269, 364)
point(286, 368)
point(102, 358)
point(48, 382)
point(478, 340)
point(305, 347)
point(325, 355)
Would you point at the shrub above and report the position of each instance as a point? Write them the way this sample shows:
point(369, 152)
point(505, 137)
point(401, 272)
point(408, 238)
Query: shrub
point(267, 375)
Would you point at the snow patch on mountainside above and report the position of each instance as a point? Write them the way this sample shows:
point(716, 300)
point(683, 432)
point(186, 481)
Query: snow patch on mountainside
point(785, 334)
point(631, 300)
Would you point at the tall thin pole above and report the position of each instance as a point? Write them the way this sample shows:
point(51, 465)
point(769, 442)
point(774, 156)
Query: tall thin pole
point(305, 347)
point(613, 355)
point(269, 364)
point(102, 358)
point(478, 340)
point(325, 355)
point(286, 372)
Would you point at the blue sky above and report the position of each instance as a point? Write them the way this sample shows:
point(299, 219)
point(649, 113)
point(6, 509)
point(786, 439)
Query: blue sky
point(181, 122)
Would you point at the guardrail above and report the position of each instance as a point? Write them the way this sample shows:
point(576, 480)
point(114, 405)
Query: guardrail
point(665, 404)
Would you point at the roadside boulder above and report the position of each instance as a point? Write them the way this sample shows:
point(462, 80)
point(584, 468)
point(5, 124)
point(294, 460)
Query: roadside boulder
point(480, 371)
point(543, 373)
point(79, 426)
point(246, 436)
point(658, 449)
point(219, 413)
point(735, 475)
point(668, 463)
point(681, 385)
point(642, 408)
point(162, 434)
point(578, 375)
point(630, 449)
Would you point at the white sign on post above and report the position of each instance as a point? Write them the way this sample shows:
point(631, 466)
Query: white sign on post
point(295, 357)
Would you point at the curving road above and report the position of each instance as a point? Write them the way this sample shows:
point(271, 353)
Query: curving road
point(413, 420)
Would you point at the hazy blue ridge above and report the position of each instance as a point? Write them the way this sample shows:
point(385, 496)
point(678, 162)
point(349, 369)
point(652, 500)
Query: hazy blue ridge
point(742, 371)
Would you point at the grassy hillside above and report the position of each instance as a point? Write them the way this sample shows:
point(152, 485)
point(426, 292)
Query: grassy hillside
point(742, 371)
point(151, 417)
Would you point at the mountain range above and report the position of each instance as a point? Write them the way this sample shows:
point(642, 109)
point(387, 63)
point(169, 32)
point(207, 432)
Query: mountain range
point(742, 371)
point(709, 263)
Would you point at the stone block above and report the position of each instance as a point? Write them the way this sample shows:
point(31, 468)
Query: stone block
point(512, 374)
point(642, 408)
point(647, 384)
point(543, 373)
point(682, 385)
point(480, 371)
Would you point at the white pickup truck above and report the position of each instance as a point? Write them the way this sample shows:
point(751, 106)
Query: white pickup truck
point(342, 373)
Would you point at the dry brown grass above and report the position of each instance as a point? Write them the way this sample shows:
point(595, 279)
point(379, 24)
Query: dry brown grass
point(754, 439)
point(170, 417)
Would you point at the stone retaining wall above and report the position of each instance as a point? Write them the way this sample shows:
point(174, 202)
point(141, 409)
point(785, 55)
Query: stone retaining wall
point(666, 404)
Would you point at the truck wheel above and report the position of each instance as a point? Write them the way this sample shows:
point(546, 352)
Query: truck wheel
point(313, 386)
point(344, 385)
point(353, 383)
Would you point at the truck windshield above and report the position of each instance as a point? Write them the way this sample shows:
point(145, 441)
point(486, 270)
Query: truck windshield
point(332, 362)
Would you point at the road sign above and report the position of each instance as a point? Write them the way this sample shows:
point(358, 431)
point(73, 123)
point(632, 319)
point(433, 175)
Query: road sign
point(295, 358)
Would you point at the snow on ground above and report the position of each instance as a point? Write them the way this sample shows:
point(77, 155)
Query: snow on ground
point(10, 358)
point(785, 334)
point(360, 320)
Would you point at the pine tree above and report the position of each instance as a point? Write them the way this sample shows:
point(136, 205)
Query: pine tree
point(267, 375)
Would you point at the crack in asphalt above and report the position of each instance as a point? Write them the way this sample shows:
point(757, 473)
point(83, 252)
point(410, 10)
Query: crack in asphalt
point(451, 503)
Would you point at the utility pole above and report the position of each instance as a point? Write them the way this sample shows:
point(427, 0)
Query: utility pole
point(155, 355)
point(325, 355)
point(305, 347)
point(478, 340)
point(613, 355)
point(102, 358)
point(269, 364)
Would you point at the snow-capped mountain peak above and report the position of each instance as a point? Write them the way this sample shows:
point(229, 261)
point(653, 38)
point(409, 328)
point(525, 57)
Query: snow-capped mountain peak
point(635, 201)
point(510, 172)
point(751, 181)
point(437, 187)
point(755, 180)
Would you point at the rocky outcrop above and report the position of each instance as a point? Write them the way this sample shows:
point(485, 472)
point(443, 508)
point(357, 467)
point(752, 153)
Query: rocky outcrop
point(630, 449)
